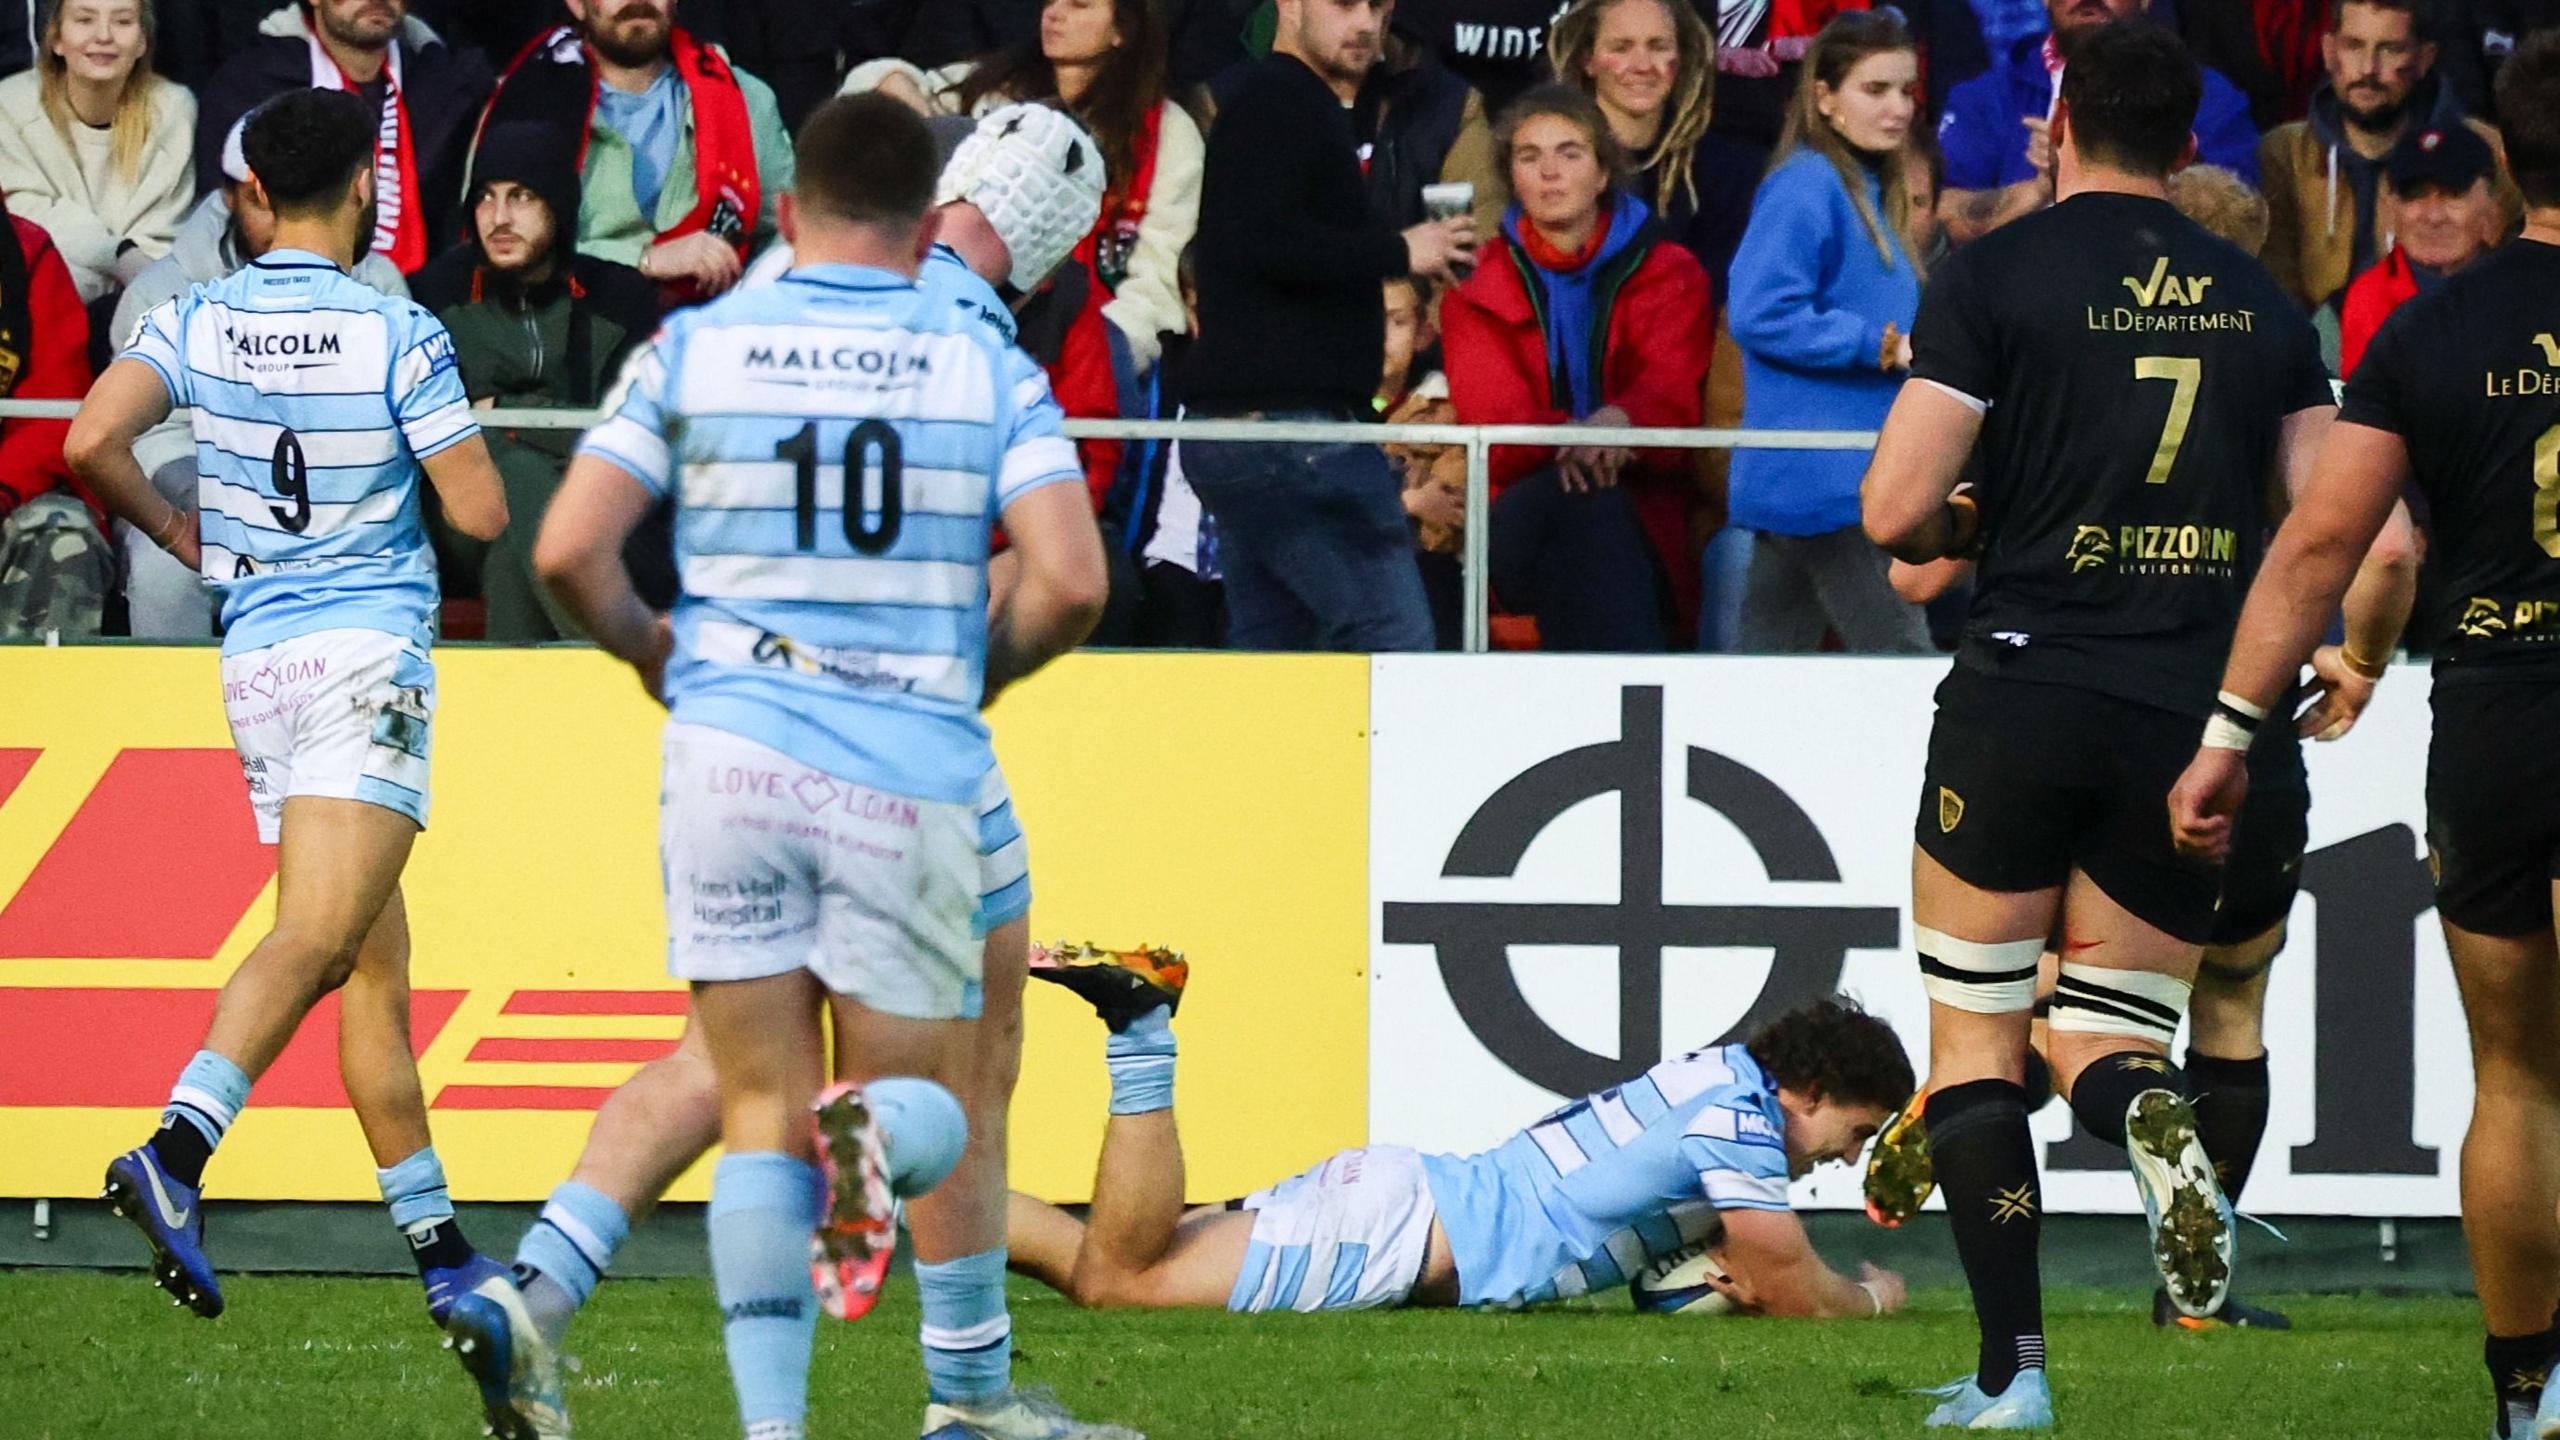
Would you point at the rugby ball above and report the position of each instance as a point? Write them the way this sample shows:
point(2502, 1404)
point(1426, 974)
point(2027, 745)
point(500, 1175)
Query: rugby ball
point(1676, 1284)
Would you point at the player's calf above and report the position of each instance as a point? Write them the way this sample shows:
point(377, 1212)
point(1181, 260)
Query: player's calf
point(2112, 1028)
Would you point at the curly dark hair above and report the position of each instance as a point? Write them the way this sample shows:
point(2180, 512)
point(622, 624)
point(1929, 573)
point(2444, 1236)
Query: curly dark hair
point(1833, 1049)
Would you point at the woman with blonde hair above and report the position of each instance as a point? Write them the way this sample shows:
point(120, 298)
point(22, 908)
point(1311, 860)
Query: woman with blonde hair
point(1824, 291)
point(1651, 66)
point(96, 148)
point(1102, 61)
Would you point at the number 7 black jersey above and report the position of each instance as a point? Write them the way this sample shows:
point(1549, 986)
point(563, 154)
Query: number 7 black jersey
point(2469, 377)
point(2136, 372)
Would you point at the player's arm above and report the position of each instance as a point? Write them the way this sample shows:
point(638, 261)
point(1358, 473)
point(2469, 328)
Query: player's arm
point(1773, 1263)
point(1968, 215)
point(1058, 587)
point(433, 412)
point(1047, 598)
point(578, 557)
point(1908, 500)
point(127, 400)
point(2377, 608)
point(2316, 555)
point(468, 487)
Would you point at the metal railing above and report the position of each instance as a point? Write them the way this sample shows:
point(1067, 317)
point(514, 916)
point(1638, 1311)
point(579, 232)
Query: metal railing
point(1479, 442)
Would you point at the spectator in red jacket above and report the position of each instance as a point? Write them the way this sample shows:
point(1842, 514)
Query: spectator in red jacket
point(53, 551)
point(2446, 214)
point(1584, 312)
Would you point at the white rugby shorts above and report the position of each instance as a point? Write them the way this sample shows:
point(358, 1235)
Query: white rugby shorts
point(1004, 857)
point(1350, 1234)
point(341, 714)
point(774, 866)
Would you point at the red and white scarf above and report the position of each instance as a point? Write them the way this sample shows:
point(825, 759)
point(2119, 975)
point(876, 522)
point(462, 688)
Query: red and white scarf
point(399, 231)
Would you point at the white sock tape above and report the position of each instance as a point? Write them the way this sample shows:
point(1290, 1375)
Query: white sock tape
point(2099, 1000)
point(1981, 977)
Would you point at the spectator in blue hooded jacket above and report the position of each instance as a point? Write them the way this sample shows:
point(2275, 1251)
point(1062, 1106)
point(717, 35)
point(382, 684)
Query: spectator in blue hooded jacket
point(1824, 291)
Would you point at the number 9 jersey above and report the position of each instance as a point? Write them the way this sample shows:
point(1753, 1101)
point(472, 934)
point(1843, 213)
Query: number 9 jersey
point(839, 445)
point(2134, 373)
point(314, 397)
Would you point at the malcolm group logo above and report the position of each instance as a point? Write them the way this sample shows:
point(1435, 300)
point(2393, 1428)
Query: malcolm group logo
point(1473, 940)
point(2091, 549)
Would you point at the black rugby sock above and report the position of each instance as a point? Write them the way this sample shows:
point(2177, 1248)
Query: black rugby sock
point(439, 1246)
point(2107, 1086)
point(2039, 1082)
point(182, 1151)
point(2230, 1100)
point(2519, 1365)
point(1986, 1167)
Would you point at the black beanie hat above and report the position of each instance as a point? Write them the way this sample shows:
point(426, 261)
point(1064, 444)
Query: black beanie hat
point(542, 159)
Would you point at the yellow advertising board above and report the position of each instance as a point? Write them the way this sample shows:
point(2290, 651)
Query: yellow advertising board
point(1214, 803)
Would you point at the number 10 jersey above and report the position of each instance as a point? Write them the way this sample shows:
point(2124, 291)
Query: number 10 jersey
point(839, 445)
point(2134, 373)
point(314, 397)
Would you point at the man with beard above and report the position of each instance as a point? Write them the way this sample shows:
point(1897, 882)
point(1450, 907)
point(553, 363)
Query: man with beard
point(1995, 132)
point(684, 155)
point(1292, 322)
point(426, 93)
point(534, 324)
point(2325, 173)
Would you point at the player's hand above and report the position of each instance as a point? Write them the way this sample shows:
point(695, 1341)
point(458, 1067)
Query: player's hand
point(1884, 1284)
point(653, 666)
point(2039, 144)
point(1721, 1279)
point(2205, 801)
point(2343, 695)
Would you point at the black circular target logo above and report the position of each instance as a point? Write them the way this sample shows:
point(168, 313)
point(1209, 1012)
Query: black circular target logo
point(1473, 939)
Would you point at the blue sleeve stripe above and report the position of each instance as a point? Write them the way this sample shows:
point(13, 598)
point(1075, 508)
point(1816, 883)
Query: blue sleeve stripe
point(655, 485)
point(438, 447)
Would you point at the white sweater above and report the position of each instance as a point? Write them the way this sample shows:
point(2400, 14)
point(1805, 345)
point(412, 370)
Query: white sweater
point(47, 182)
point(1149, 300)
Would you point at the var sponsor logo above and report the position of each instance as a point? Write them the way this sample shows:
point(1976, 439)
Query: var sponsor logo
point(1581, 867)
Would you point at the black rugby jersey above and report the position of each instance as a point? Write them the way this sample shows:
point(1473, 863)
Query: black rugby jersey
point(2137, 371)
point(2469, 376)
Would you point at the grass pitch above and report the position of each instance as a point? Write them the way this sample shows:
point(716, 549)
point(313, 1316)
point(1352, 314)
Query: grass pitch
point(87, 1356)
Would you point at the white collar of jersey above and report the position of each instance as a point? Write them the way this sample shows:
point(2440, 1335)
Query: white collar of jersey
point(850, 277)
point(294, 260)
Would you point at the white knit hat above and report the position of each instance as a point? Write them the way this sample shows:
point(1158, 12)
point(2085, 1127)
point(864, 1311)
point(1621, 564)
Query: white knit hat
point(1038, 176)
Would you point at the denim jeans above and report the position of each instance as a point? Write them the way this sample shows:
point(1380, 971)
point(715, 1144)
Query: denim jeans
point(1314, 544)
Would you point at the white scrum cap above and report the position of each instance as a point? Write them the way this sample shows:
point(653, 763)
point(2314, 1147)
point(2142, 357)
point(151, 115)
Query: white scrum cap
point(1037, 176)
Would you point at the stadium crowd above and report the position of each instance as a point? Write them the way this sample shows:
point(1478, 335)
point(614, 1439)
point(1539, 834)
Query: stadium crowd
point(1612, 212)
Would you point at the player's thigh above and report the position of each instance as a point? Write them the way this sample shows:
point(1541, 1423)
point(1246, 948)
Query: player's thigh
point(1979, 953)
point(2124, 981)
point(2510, 986)
point(2493, 807)
point(2263, 873)
point(337, 866)
point(768, 1055)
point(1197, 1272)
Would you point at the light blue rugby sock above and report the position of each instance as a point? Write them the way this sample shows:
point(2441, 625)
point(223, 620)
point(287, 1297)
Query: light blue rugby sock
point(1141, 1061)
point(764, 1209)
point(967, 1334)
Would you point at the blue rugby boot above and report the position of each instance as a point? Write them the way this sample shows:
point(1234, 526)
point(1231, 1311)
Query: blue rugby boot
point(170, 1215)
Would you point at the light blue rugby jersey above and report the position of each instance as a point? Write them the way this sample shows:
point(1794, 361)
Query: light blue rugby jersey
point(851, 638)
point(314, 397)
point(1595, 1191)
